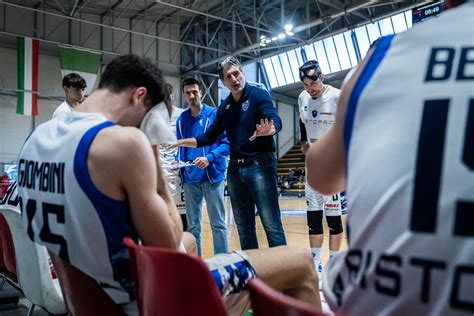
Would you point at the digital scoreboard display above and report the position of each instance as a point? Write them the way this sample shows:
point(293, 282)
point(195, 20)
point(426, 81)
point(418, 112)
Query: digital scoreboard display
point(422, 13)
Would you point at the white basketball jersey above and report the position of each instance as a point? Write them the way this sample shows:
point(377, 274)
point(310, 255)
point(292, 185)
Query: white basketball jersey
point(62, 208)
point(168, 156)
point(174, 117)
point(318, 115)
point(409, 138)
point(11, 199)
point(160, 129)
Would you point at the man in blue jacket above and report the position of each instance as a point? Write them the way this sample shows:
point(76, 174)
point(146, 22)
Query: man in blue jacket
point(205, 178)
point(250, 120)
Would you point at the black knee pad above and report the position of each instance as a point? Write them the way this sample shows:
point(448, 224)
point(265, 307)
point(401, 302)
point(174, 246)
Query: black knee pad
point(315, 222)
point(335, 225)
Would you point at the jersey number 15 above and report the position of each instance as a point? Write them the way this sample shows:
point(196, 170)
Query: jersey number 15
point(45, 234)
point(429, 170)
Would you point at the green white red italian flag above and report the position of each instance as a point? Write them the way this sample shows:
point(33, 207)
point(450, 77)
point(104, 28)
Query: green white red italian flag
point(81, 61)
point(27, 103)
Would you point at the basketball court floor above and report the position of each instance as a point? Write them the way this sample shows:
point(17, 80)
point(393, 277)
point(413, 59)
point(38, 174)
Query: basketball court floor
point(293, 211)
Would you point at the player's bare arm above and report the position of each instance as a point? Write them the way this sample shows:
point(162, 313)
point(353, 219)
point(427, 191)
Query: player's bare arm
point(163, 190)
point(185, 142)
point(123, 167)
point(304, 146)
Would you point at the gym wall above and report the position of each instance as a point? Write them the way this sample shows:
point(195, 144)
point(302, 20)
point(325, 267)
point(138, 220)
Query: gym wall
point(14, 128)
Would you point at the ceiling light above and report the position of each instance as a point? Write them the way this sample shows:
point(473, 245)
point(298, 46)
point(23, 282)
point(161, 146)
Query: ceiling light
point(274, 38)
point(281, 35)
point(289, 33)
point(262, 37)
point(288, 27)
point(263, 44)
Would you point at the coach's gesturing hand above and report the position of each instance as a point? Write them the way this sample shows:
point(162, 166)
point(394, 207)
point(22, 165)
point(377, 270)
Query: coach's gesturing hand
point(265, 128)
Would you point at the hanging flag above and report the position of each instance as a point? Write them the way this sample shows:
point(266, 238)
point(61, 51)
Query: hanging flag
point(27, 103)
point(81, 61)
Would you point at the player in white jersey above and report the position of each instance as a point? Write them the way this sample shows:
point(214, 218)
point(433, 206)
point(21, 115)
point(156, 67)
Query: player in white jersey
point(406, 156)
point(159, 125)
point(88, 179)
point(318, 107)
point(74, 86)
point(174, 180)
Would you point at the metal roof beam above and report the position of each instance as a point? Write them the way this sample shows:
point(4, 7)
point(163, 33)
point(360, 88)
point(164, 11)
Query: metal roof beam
point(111, 27)
point(209, 15)
point(305, 26)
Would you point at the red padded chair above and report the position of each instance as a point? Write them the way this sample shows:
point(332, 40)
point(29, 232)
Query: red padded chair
point(268, 302)
point(8, 250)
point(172, 283)
point(7, 263)
point(82, 294)
point(2, 264)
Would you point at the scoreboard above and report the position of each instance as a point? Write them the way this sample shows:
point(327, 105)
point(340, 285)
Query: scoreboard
point(422, 13)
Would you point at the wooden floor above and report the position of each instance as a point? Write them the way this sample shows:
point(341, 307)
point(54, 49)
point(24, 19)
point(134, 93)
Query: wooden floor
point(294, 221)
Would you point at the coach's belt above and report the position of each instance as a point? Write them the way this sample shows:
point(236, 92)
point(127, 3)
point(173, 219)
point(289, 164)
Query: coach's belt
point(249, 160)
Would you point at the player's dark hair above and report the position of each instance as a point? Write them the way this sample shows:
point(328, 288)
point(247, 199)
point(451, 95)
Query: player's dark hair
point(168, 93)
point(189, 82)
point(74, 80)
point(228, 62)
point(305, 69)
point(132, 71)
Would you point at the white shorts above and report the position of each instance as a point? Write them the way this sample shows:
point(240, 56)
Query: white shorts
point(330, 204)
point(232, 272)
point(167, 158)
point(176, 190)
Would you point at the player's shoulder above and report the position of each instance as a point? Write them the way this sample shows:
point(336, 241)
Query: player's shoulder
point(303, 98)
point(178, 111)
point(182, 114)
point(118, 147)
point(123, 140)
point(304, 95)
point(256, 91)
point(334, 92)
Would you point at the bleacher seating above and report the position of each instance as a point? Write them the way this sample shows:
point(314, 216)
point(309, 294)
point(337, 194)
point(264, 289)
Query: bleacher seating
point(293, 159)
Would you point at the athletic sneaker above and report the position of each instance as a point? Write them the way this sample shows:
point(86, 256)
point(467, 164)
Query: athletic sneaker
point(319, 271)
point(319, 267)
